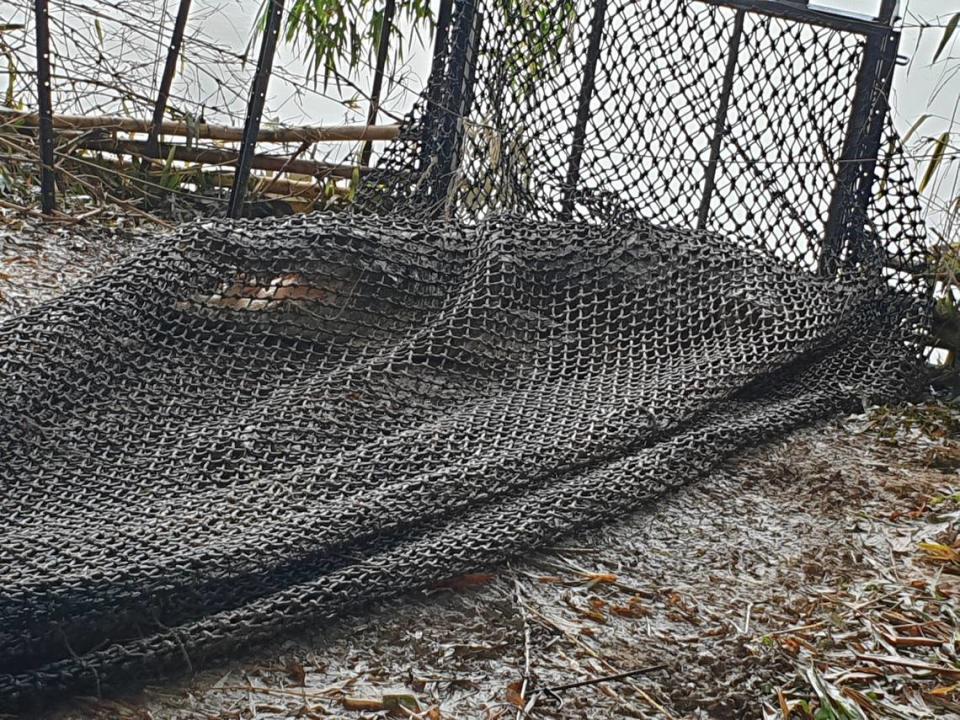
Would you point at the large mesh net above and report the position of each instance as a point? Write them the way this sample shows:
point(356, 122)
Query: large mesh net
point(534, 318)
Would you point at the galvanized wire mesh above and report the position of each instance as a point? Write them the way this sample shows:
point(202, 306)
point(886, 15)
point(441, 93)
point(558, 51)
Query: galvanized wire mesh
point(256, 425)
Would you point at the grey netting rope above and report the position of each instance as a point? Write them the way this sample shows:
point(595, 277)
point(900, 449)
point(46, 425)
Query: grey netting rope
point(250, 426)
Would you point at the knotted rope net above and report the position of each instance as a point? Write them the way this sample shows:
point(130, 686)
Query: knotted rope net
point(254, 426)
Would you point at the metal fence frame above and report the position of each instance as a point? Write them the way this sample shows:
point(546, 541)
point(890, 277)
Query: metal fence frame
point(450, 89)
point(850, 197)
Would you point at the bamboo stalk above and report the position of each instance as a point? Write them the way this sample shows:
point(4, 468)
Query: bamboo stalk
point(302, 196)
point(268, 186)
point(275, 186)
point(304, 134)
point(221, 156)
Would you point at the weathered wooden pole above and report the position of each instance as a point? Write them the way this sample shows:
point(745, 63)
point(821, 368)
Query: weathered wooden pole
point(258, 96)
point(48, 201)
point(302, 134)
point(169, 70)
point(386, 27)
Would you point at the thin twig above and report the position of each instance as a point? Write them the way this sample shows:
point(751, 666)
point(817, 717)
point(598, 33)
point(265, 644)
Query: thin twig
point(605, 678)
point(523, 709)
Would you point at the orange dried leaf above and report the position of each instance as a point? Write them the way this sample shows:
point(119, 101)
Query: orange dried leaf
point(514, 696)
point(595, 615)
point(784, 705)
point(606, 578)
point(633, 609)
point(465, 582)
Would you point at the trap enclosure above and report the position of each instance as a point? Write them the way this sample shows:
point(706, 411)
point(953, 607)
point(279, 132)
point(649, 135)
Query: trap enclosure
point(616, 243)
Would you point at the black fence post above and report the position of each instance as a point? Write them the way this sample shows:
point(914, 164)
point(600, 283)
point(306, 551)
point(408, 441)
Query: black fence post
point(258, 96)
point(583, 108)
point(457, 97)
point(850, 200)
point(48, 201)
point(801, 12)
point(386, 27)
point(169, 70)
point(720, 124)
point(435, 86)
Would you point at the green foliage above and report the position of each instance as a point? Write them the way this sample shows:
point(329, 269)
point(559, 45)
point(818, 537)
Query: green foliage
point(938, 169)
point(940, 146)
point(169, 178)
point(338, 36)
point(916, 126)
point(541, 26)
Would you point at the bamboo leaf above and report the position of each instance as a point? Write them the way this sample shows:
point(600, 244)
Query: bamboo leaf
point(916, 126)
point(947, 34)
point(10, 96)
point(939, 151)
point(354, 184)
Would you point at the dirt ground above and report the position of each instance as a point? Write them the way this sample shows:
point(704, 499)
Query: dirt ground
point(39, 261)
point(817, 577)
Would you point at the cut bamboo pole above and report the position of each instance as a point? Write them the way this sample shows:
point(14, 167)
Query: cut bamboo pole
point(276, 186)
point(226, 133)
point(221, 156)
point(268, 186)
